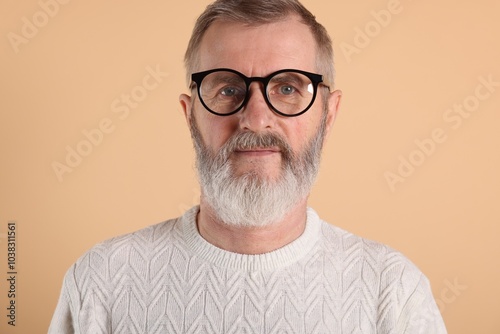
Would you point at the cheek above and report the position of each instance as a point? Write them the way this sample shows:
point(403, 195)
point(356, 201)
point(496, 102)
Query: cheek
point(300, 133)
point(216, 130)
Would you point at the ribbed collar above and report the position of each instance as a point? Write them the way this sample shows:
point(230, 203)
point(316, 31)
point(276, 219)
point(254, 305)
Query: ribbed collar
point(279, 258)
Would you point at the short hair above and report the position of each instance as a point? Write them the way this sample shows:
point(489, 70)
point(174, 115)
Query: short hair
point(259, 12)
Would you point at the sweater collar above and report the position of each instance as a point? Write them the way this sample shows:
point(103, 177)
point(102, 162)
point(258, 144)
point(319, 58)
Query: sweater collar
point(279, 258)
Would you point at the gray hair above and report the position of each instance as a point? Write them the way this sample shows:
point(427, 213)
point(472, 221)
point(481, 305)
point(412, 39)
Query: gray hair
point(258, 12)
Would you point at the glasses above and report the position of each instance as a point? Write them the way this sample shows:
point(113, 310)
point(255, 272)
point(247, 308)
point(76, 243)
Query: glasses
point(288, 92)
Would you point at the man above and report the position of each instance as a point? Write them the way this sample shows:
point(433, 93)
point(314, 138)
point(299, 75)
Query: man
point(252, 257)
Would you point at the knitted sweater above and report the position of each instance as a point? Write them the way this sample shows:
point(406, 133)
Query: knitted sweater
point(167, 279)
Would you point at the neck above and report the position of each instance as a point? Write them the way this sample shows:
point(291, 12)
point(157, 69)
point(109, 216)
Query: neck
point(251, 240)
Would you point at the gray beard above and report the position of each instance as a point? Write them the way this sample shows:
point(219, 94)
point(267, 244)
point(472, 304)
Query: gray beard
point(253, 200)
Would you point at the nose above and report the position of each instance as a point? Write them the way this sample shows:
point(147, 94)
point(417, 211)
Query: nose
point(256, 115)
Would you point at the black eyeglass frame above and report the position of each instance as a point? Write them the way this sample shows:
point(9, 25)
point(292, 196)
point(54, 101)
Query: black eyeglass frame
point(316, 79)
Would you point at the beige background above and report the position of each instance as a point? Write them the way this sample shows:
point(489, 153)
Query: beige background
point(398, 88)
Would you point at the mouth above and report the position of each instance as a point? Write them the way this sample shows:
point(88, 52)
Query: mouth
point(258, 151)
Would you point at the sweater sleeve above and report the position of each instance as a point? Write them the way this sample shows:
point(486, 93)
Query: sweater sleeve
point(64, 317)
point(420, 315)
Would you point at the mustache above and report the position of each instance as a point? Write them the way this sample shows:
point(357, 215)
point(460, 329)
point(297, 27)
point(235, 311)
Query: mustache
point(251, 140)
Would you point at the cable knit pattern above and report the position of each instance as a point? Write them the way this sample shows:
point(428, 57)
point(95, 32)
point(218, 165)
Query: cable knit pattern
point(167, 279)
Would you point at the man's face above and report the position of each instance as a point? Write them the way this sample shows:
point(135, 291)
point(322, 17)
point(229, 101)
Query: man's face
point(259, 51)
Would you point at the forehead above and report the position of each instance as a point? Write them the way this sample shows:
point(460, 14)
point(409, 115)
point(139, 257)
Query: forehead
point(258, 50)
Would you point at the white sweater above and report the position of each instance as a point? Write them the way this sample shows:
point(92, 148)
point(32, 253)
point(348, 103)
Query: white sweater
point(167, 279)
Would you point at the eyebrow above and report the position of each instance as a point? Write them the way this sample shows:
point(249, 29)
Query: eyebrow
point(288, 77)
point(224, 78)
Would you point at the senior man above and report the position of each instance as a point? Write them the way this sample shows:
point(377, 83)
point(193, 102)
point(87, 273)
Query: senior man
point(252, 257)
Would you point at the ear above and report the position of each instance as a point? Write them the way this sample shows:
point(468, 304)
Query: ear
point(333, 108)
point(185, 101)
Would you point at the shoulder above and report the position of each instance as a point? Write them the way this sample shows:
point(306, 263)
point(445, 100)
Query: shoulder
point(143, 238)
point(99, 275)
point(377, 273)
point(128, 252)
point(375, 261)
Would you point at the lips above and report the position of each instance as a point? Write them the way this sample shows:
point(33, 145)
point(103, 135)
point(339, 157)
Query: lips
point(258, 150)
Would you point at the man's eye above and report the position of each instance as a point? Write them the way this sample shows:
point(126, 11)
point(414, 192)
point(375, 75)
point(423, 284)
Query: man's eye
point(229, 91)
point(287, 90)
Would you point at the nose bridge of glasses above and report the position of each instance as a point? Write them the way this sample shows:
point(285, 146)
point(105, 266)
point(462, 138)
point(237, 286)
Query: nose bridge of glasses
point(257, 110)
point(258, 84)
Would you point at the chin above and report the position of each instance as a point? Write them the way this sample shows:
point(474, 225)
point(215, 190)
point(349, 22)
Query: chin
point(259, 174)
